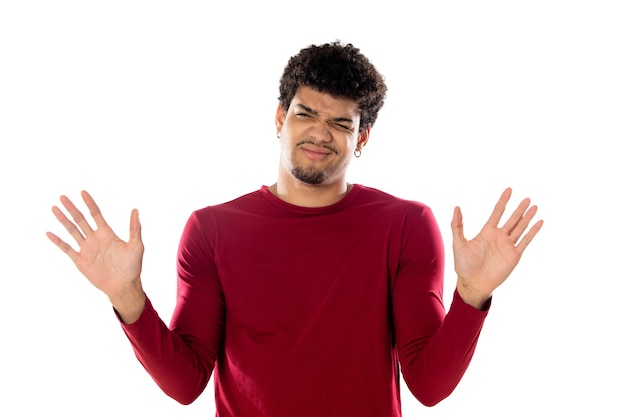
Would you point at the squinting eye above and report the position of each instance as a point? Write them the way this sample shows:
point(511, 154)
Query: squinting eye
point(303, 115)
point(343, 127)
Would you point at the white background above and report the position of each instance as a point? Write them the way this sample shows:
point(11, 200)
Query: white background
point(169, 107)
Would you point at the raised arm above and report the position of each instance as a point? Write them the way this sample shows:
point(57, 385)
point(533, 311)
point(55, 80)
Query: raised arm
point(486, 261)
point(110, 264)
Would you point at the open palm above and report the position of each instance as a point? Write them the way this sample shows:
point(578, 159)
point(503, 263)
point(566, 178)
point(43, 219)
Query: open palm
point(108, 262)
point(485, 262)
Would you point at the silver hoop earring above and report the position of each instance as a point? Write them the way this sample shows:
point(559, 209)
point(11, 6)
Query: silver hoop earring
point(357, 153)
point(277, 134)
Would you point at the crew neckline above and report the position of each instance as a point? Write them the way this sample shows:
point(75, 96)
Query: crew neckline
point(346, 199)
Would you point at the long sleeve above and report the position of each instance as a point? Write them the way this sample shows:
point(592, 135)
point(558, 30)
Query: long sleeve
point(181, 358)
point(434, 348)
point(307, 311)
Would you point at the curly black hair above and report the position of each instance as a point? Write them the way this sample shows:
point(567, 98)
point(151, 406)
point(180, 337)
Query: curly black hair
point(340, 70)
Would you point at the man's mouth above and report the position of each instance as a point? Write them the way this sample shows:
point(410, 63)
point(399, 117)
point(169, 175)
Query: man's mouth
point(315, 152)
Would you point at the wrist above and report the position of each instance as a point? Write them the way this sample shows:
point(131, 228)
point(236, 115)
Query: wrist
point(472, 296)
point(130, 303)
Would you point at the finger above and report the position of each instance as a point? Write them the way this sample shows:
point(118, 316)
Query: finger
point(94, 210)
point(69, 226)
point(78, 217)
point(523, 223)
point(523, 244)
point(458, 235)
point(516, 216)
point(499, 208)
point(135, 230)
point(62, 245)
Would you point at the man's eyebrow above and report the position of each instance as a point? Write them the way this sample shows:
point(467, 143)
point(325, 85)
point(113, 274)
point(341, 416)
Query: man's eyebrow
point(335, 119)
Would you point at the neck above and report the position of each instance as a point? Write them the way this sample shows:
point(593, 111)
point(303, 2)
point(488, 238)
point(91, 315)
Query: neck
point(294, 191)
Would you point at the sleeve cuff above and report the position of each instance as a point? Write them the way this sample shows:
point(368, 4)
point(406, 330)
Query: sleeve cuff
point(464, 308)
point(148, 309)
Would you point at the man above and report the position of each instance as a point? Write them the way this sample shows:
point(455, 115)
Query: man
point(309, 297)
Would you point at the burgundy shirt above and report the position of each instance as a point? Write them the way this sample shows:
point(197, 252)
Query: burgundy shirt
point(310, 311)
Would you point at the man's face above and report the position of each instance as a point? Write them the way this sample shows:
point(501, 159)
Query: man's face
point(318, 135)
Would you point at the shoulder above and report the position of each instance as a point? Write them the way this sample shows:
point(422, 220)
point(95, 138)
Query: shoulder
point(241, 203)
point(411, 222)
point(374, 197)
point(226, 213)
point(377, 207)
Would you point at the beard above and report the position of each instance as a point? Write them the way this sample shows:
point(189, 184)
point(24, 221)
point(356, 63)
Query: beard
point(310, 176)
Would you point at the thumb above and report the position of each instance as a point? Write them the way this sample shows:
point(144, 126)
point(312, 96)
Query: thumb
point(135, 229)
point(458, 237)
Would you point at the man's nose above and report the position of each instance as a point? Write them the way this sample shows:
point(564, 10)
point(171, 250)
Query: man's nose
point(321, 130)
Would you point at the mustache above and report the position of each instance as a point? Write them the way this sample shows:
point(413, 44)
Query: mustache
point(314, 143)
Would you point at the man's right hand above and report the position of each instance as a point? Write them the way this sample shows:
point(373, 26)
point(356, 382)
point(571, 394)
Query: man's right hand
point(110, 264)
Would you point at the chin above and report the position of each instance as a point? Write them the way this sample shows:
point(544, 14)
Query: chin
point(310, 176)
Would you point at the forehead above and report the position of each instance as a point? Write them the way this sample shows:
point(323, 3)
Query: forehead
point(325, 104)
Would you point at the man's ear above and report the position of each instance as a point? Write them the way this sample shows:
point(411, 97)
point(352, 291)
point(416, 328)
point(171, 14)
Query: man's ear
point(364, 136)
point(280, 117)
